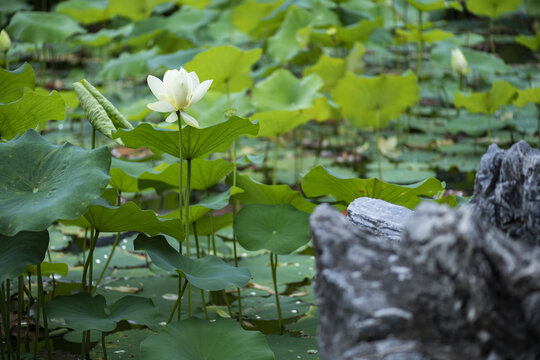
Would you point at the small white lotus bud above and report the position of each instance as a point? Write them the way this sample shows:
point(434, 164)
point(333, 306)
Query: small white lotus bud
point(459, 63)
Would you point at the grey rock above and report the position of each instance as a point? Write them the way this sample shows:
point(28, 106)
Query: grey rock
point(454, 288)
point(507, 191)
point(379, 217)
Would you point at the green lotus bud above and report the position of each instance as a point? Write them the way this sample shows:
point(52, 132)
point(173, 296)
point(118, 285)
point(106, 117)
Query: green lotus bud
point(5, 41)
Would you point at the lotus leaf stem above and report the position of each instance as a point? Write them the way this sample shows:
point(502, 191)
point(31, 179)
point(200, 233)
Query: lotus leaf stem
point(273, 265)
point(20, 309)
point(105, 357)
point(41, 296)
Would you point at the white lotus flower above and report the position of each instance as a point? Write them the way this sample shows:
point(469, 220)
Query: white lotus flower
point(177, 92)
point(459, 63)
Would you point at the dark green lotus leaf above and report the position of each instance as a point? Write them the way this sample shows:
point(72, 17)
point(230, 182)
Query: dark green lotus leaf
point(258, 193)
point(22, 250)
point(129, 217)
point(207, 226)
point(84, 11)
point(492, 8)
point(195, 142)
point(124, 174)
point(42, 27)
point(319, 182)
point(223, 339)
point(84, 312)
point(48, 269)
point(278, 228)
point(208, 273)
point(127, 65)
point(29, 111)
point(204, 173)
point(171, 61)
point(287, 347)
point(13, 82)
point(42, 182)
point(264, 308)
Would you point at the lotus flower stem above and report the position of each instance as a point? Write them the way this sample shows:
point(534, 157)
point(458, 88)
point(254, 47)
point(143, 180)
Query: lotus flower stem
point(273, 265)
point(180, 204)
point(186, 203)
point(41, 296)
point(178, 302)
point(20, 308)
point(105, 357)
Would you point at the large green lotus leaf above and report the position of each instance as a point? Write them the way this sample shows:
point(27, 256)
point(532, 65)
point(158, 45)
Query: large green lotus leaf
point(258, 193)
point(278, 228)
point(224, 339)
point(208, 273)
point(19, 251)
point(204, 173)
point(42, 183)
point(276, 122)
point(127, 65)
point(42, 27)
point(29, 111)
point(133, 9)
point(528, 96)
point(319, 182)
point(322, 109)
point(329, 69)
point(283, 91)
point(195, 142)
point(532, 42)
point(500, 94)
point(287, 347)
point(84, 312)
point(187, 22)
point(225, 65)
point(430, 36)
point(129, 217)
point(348, 35)
point(145, 31)
point(250, 13)
point(285, 43)
point(12, 83)
point(124, 174)
point(432, 5)
point(84, 11)
point(361, 98)
point(171, 61)
point(492, 8)
point(215, 106)
point(207, 226)
point(48, 269)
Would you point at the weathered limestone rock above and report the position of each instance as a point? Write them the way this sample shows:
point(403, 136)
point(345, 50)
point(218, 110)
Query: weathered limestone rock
point(454, 288)
point(379, 217)
point(507, 191)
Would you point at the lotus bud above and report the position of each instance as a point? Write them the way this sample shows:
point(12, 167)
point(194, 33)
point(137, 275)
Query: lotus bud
point(5, 41)
point(459, 63)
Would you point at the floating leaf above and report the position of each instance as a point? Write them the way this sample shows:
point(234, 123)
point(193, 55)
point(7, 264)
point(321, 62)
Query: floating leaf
point(319, 182)
point(283, 91)
point(258, 193)
point(500, 94)
point(195, 142)
point(19, 251)
point(492, 8)
point(42, 185)
point(12, 83)
point(42, 27)
point(362, 98)
point(224, 339)
point(84, 312)
point(208, 273)
point(129, 217)
point(29, 111)
point(227, 66)
point(278, 228)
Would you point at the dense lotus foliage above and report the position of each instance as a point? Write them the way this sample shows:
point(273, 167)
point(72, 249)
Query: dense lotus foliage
point(160, 159)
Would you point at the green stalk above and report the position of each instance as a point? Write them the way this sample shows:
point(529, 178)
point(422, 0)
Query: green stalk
point(6, 60)
point(180, 204)
point(186, 203)
point(4, 302)
point(105, 357)
point(420, 54)
point(38, 314)
point(489, 126)
point(273, 265)
point(2, 350)
point(274, 162)
point(226, 299)
point(89, 261)
point(30, 301)
point(93, 138)
point(41, 296)
point(235, 170)
point(377, 126)
point(178, 302)
point(20, 308)
point(198, 257)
